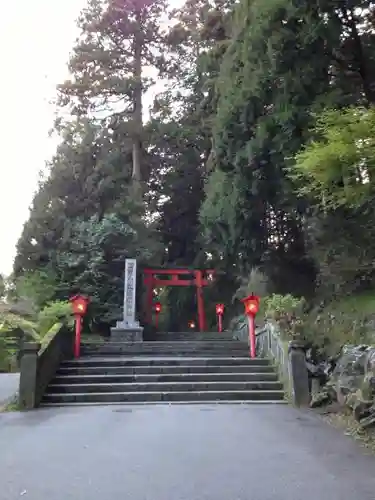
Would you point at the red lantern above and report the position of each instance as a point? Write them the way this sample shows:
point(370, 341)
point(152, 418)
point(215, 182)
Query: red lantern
point(219, 314)
point(219, 309)
point(251, 304)
point(191, 324)
point(79, 306)
point(157, 309)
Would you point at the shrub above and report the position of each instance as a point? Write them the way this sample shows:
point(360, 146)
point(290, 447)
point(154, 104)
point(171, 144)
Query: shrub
point(330, 332)
point(54, 312)
point(322, 329)
point(277, 306)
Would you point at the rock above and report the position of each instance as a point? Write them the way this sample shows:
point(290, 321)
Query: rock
point(369, 420)
point(320, 399)
point(351, 381)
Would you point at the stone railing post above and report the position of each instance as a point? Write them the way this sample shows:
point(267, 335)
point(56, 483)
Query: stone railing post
point(28, 375)
point(299, 374)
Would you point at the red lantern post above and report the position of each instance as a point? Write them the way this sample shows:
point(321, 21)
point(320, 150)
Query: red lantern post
point(251, 304)
point(157, 308)
point(219, 314)
point(79, 306)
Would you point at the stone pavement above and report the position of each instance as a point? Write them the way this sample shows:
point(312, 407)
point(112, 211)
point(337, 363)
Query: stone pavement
point(179, 452)
point(8, 387)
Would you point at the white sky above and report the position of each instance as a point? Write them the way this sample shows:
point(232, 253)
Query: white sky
point(36, 37)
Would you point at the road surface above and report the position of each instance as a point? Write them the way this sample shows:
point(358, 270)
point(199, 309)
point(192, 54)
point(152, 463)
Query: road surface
point(8, 387)
point(254, 452)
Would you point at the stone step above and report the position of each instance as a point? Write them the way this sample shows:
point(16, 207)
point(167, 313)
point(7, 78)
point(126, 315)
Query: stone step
point(171, 352)
point(205, 336)
point(165, 403)
point(157, 396)
point(177, 343)
point(159, 348)
point(169, 403)
point(151, 370)
point(164, 387)
point(125, 361)
point(164, 377)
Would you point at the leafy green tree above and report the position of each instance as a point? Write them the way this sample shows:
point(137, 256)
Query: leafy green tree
point(337, 168)
point(264, 98)
point(91, 261)
point(34, 288)
point(335, 173)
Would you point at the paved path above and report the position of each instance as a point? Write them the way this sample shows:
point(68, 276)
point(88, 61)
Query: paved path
point(8, 386)
point(179, 453)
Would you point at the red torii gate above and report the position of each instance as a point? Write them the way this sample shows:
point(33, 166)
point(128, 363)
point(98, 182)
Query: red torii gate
point(178, 277)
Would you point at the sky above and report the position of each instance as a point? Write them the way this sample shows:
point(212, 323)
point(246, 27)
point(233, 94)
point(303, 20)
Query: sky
point(36, 37)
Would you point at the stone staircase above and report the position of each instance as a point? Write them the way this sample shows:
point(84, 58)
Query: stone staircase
point(180, 368)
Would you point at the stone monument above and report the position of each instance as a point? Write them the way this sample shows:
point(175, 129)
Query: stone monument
point(128, 329)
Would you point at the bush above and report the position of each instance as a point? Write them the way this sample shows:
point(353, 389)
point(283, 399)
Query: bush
point(326, 331)
point(330, 332)
point(276, 307)
point(288, 312)
point(4, 354)
point(54, 312)
point(8, 352)
point(10, 321)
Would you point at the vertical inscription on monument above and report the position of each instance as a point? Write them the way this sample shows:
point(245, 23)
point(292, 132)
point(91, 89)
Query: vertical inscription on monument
point(130, 289)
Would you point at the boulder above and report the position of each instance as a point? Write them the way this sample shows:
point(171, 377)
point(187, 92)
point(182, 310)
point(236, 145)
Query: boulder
point(352, 383)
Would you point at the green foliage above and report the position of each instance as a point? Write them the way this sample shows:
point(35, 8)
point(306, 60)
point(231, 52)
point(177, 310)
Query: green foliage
point(14, 329)
point(92, 260)
point(5, 354)
point(37, 287)
point(278, 306)
point(288, 313)
point(330, 332)
point(341, 244)
point(327, 329)
point(53, 313)
point(338, 167)
point(10, 321)
point(257, 126)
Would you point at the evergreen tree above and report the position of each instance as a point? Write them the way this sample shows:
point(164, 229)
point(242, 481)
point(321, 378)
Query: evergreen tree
point(119, 40)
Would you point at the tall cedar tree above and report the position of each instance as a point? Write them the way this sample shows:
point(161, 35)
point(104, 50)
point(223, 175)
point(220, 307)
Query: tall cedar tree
point(119, 39)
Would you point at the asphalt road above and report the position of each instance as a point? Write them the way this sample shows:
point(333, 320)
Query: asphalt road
point(8, 387)
point(213, 452)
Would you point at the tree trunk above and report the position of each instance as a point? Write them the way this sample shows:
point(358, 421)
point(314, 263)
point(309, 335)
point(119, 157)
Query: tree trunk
point(352, 21)
point(137, 106)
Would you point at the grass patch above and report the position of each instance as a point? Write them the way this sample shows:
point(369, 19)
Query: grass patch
point(363, 303)
point(12, 405)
